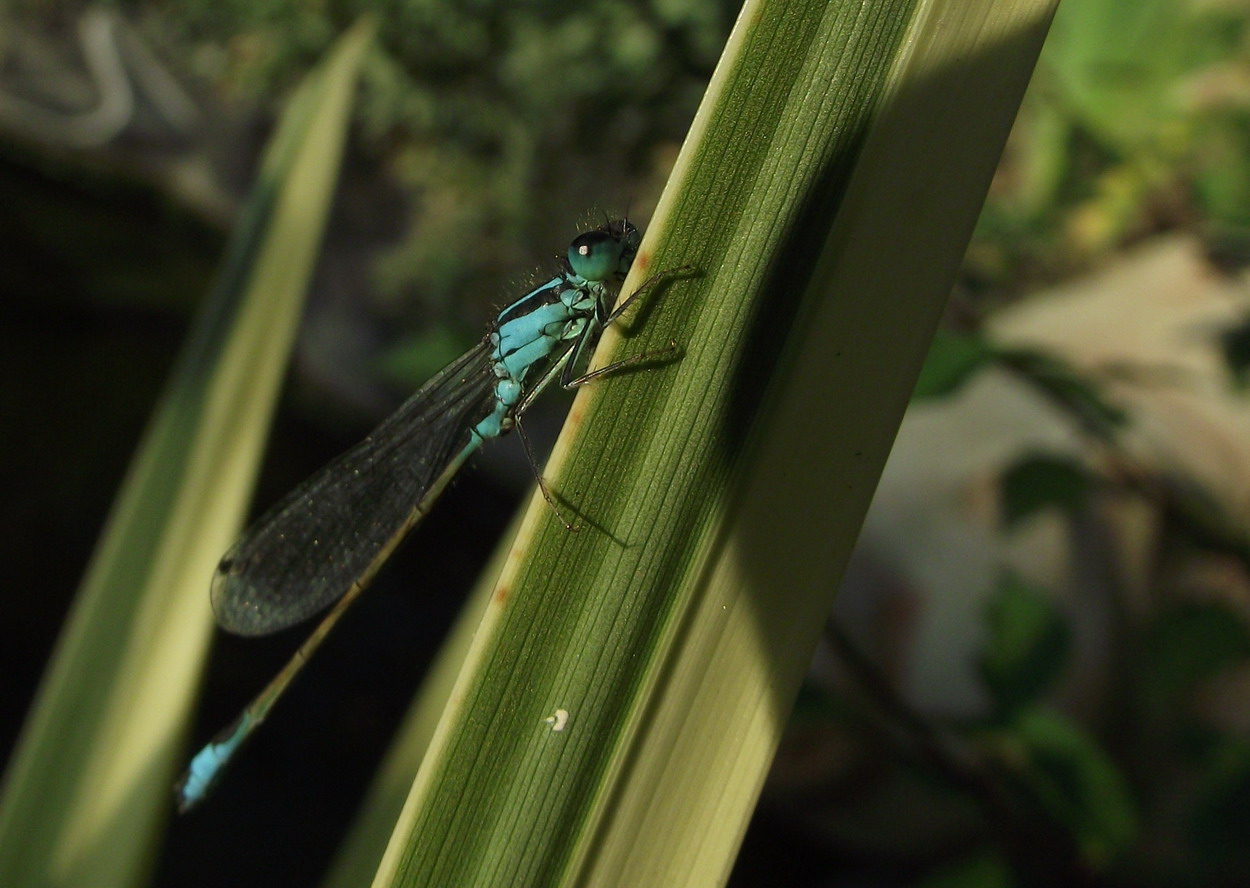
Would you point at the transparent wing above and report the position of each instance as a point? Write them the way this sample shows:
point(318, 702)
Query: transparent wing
point(306, 551)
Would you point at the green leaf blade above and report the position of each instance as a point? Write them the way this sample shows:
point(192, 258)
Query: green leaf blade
point(674, 626)
point(90, 783)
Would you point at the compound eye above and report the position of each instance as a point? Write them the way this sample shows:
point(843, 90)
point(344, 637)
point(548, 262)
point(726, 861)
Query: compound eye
point(595, 256)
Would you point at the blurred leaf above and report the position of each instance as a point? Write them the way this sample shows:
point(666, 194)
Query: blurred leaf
point(1222, 179)
point(1222, 818)
point(1117, 63)
point(1040, 482)
point(1066, 388)
point(984, 870)
point(1235, 345)
point(1159, 85)
point(1075, 782)
point(416, 358)
point(89, 787)
point(1188, 645)
point(952, 360)
point(1027, 645)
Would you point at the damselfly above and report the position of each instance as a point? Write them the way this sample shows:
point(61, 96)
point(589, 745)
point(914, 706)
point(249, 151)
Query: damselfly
point(326, 539)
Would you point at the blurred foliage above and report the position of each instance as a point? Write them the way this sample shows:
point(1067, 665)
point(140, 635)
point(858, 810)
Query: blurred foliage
point(1235, 343)
point(495, 118)
point(1039, 482)
point(1048, 760)
point(954, 358)
point(1067, 388)
point(1025, 651)
point(1132, 768)
point(486, 132)
point(1189, 644)
point(1137, 121)
point(1073, 781)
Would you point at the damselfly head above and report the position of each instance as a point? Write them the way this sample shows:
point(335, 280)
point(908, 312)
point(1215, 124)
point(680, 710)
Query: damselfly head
point(606, 252)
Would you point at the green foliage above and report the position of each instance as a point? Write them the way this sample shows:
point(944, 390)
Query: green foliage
point(1052, 762)
point(88, 788)
point(1067, 388)
point(1073, 780)
point(985, 870)
point(1235, 344)
point(1136, 119)
point(953, 359)
point(1024, 653)
point(422, 354)
point(498, 118)
point(1039, 482)
point(1188, 645)
point(1222, 817)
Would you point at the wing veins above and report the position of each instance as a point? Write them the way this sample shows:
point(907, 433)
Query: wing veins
point(308, 549)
